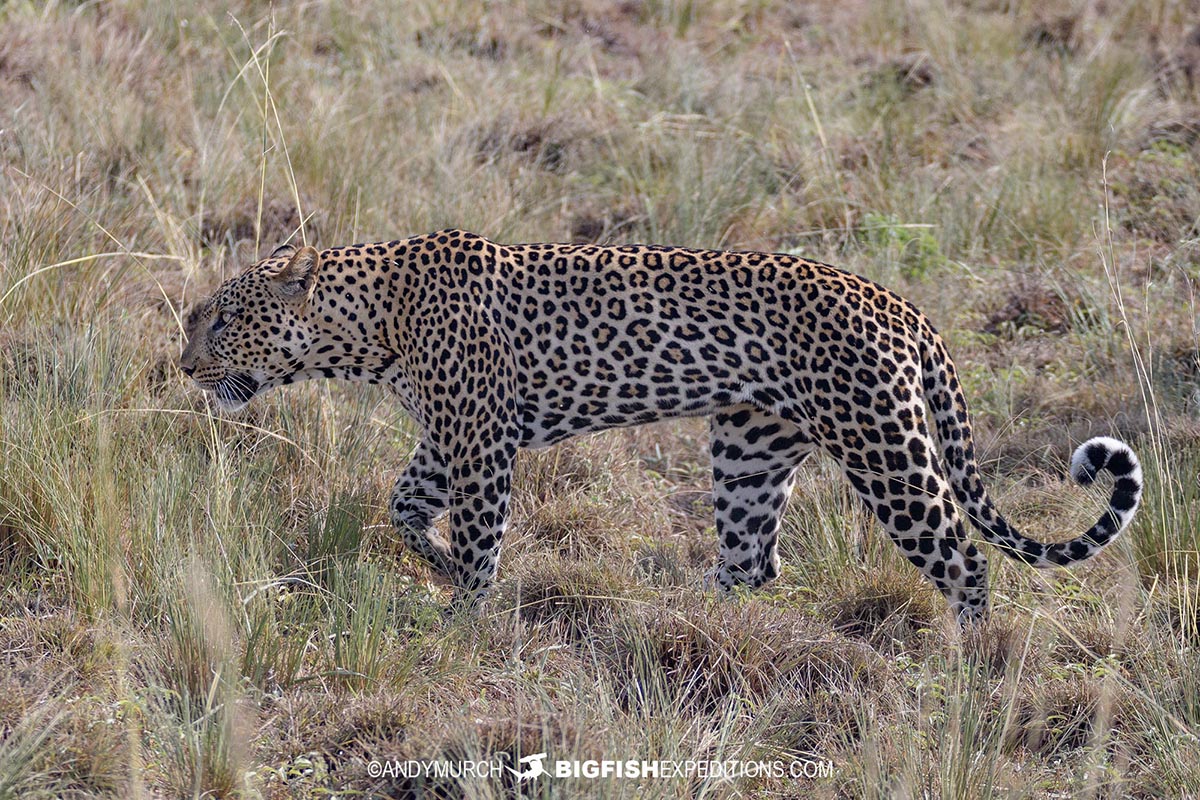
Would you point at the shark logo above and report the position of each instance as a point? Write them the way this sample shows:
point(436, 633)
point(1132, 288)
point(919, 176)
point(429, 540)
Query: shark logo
point(534, 767)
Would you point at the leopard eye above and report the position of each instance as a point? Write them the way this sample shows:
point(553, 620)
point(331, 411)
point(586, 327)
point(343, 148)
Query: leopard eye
point(223, 319)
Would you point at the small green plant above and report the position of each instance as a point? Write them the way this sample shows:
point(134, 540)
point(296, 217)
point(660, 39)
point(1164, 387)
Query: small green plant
point(912, 247)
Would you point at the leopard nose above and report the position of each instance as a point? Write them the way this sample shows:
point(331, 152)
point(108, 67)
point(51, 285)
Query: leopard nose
point(187, 369)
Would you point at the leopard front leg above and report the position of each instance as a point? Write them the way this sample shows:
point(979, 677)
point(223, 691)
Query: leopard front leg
point(419, 498)
point(480, 489)
point(465, 392)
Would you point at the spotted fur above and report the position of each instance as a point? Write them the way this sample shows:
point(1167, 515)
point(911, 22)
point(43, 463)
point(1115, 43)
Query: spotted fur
point(494, 347)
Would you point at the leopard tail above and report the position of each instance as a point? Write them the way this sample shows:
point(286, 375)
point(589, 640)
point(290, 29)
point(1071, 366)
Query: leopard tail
point(943, 393)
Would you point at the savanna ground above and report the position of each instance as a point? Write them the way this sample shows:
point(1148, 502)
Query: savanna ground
point(197, 606)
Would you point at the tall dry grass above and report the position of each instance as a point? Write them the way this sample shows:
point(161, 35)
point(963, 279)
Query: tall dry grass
point(207, 607)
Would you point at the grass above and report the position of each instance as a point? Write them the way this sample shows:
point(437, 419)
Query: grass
point(194, 606)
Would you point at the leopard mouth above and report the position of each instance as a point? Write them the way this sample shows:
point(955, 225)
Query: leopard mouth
point(235, 390)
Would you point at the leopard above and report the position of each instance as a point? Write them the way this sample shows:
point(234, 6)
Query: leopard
point(491, 348)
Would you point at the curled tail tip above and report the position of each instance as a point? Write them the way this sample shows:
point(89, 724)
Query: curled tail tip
point(1102, 454)
point(1105, 453)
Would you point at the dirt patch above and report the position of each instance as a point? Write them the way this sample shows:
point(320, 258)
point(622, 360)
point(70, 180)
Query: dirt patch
point(280, 222)
point(693, 503)
point(910, 73)
point(601, 226)
point(616, 33)
point(1182, 131)
point(18, 65)
point(474, 40)
point(546, 143)
point(1177, 67)
point(1031, 305)
point(1059, 34)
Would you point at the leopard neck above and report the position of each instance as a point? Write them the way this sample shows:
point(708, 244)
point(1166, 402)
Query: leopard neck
point(349, 342)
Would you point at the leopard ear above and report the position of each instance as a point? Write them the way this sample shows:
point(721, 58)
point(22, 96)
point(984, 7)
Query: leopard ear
point(285, 249)
point(297, 278)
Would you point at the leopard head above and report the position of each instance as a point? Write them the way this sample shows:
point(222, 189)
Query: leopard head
point(253, 333)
